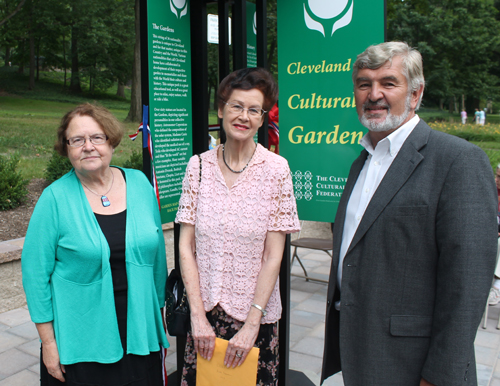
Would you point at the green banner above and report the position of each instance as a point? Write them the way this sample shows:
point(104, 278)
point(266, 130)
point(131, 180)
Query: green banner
point(251, 35)
point(318, 42)
point(169, 56)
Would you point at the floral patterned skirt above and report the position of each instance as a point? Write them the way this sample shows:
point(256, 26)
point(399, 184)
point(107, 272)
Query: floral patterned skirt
point(226, 327)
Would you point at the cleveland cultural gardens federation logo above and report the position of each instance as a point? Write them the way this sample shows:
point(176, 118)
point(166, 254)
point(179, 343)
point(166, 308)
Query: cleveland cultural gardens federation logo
point(178, 7)
point(302, 185)
point(323, 15)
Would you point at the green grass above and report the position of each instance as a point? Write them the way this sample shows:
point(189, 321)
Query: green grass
point(50, 88)
point(486, 137)
point(493, 155)
point(29, 127)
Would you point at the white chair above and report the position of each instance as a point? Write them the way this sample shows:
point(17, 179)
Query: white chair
point(485, 317)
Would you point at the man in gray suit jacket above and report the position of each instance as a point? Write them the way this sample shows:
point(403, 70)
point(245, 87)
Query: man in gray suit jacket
point(415, 239)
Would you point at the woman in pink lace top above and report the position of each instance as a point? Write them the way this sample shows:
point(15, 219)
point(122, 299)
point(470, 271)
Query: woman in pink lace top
point(236, 207)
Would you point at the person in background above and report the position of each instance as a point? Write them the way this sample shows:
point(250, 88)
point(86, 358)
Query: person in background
point(94, 265)
point(482, 117)
point(414, 241)
point(463, 114)
point(236, 207)
point(476, 116)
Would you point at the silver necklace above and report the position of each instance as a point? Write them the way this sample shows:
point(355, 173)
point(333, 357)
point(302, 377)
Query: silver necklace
point(104, 199)
point(237, 171)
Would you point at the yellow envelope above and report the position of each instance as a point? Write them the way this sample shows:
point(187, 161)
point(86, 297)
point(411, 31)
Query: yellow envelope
point(214, 373)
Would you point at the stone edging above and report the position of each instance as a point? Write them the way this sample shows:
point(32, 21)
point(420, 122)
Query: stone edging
point(11, 250)
point(7, 257)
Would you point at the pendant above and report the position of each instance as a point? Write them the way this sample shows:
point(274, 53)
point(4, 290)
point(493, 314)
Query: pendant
point(105, 201)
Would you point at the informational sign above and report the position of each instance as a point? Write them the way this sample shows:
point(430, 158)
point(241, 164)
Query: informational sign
point(213, 29)
point(170, 97)
point(318, 42)
point(251, 35)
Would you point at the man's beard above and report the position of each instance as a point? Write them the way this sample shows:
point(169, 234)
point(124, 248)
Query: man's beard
point(391, 122)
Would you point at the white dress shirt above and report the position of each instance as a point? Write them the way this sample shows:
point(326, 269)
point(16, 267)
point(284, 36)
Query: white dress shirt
point(377, 163)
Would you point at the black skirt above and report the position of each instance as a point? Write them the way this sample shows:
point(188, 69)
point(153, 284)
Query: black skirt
point(131, 370)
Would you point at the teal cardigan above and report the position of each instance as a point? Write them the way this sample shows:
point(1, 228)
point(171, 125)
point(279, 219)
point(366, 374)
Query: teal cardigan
point(67, 274)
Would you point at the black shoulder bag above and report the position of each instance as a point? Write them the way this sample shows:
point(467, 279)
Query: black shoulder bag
point(177, 313)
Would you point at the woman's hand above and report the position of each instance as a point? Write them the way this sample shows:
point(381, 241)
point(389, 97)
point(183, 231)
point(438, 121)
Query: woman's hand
point(51, 360)
point(50, 352)
point(201, 330)
point(203, 336)
point(240, 344)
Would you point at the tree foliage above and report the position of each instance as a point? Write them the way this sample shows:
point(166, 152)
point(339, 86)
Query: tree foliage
point(458, 40)
point(95, 38)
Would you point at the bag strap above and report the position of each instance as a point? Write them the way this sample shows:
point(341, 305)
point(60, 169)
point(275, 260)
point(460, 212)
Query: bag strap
point(199, 180)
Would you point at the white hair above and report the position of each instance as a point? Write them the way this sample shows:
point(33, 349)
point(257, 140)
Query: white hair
point(377, 55)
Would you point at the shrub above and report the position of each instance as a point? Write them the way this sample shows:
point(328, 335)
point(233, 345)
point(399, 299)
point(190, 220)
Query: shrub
point(135, 161)
point(12, 186)
point(57, 167)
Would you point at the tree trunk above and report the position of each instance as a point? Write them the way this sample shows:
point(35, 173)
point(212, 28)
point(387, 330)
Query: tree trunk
point(216, 100)
point(93, 76)
point(7, 56)
point(270, 56)
point(75, 85)
point(450, 106)
point(135, 113)
point(463, 102)
point(38, 61)
point(120, 91)
point(64, 60)
point(31, 85)
point(441, 103)
point(32, 62)
point(22, 46)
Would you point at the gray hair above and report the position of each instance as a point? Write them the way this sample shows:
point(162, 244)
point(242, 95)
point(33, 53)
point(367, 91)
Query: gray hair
point(377, 55)
point(498, 166)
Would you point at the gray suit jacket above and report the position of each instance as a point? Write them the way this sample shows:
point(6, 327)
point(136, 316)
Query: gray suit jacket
point(417, 273)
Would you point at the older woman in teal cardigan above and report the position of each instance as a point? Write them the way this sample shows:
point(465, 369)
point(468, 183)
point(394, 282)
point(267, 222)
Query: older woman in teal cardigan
point(94, 265)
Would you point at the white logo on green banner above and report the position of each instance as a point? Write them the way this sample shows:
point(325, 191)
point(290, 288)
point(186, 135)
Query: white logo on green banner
point(324, 13)
point(179, 7)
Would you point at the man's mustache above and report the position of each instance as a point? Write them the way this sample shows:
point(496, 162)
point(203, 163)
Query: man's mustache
point(369, 104)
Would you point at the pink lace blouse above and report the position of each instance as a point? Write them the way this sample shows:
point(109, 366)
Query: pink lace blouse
point(231, 227)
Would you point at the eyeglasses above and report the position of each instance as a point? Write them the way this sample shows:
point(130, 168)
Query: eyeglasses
point(97, 139)
point(252, 111)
